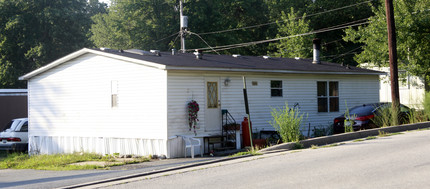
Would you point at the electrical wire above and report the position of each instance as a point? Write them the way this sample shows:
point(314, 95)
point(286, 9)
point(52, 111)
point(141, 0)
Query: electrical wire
point(167, 37)
point(348, 23)
point(334, 41)
point(203, 41)
point(171, 45)
point(259, 25)
point(344, 54)
point(232, 46)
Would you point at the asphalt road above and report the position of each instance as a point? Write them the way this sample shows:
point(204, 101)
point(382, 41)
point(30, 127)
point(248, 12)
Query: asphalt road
point(18, 178)
point(399, 161)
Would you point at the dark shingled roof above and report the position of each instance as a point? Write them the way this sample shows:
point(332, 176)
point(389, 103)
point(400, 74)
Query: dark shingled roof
point(189, 60)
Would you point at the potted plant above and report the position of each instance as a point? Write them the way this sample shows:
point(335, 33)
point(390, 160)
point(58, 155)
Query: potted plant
point(193, 109)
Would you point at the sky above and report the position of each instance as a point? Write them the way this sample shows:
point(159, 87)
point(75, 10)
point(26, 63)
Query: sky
point(105, 1)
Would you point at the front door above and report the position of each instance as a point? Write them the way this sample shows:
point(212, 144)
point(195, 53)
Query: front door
point(213, 106)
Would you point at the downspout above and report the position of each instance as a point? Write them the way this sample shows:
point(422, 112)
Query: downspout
point(245, 97)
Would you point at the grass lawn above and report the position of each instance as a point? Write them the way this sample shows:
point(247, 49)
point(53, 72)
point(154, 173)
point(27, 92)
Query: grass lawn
point(63, 161)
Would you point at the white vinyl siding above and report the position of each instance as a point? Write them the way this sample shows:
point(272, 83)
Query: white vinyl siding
point(74, 99)
point(183, 88)
point(297, 89)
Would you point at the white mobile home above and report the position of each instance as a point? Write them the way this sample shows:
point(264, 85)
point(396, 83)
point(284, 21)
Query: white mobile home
point(135, 102)
point(411, 88)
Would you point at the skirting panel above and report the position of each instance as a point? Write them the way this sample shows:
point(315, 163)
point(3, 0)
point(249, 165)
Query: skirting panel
point(99, 145)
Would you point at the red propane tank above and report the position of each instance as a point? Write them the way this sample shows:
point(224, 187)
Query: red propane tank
point(245, 132)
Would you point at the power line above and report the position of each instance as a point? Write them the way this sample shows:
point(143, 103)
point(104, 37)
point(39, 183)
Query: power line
point(232, 46)
point(344, 54)
point(167, 37)
point(174, 41)
point(259, 25)
point(334, 41)
point(203, 41)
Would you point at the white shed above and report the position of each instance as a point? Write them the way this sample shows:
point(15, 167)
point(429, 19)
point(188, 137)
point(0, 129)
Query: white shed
point(411, 88)
point(134, 102)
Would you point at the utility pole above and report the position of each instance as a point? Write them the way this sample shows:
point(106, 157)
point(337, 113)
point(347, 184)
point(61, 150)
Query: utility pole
point(183, 25)
point(392, 50)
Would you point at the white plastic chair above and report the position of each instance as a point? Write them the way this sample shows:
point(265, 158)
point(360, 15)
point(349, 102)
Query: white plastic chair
point(191, 143)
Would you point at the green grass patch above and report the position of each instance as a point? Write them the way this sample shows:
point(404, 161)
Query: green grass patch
point(385, 134)
point(330, 145)
point(251, 152)
point(358, 140)
point(295, 151)
point(59, 161)
point(371, 137)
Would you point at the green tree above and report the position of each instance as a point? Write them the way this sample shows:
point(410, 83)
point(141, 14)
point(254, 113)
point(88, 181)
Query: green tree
point(276, 7)
point(329, 13)
point(206, 16)
point(147, 24)
point(412, 22)
point(135, 24)
point(34, 33)
point(294, 46)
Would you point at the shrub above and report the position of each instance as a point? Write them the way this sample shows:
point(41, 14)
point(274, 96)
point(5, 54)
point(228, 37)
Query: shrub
point(416, 116)
point(426, 105)
point(384, 118)
point(322, 130)
point(287, 122)
point(349, 120)
point(387, 117)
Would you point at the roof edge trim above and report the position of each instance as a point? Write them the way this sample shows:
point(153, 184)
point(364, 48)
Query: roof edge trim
point(271, 71)
point(81, 52)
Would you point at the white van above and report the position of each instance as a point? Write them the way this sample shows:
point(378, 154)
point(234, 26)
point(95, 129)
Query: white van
point(15, 136)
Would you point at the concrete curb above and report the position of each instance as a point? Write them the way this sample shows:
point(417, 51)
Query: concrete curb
point(320, 141)
point(89, 184)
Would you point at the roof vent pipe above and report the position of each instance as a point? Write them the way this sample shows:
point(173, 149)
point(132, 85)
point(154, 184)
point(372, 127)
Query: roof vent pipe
point(155, 52)
point(199, 54)
point(317, 48)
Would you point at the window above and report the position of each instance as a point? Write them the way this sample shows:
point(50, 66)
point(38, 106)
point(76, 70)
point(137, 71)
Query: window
point(404, 79)
point(276, 88)
point(212, 94)
point(24, 127)
point(328, 96)
point(114, 94)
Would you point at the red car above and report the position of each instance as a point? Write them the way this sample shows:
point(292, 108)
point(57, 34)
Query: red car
point(363, 116)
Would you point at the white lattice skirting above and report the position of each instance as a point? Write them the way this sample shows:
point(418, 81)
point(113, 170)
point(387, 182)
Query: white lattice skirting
point(99, 145)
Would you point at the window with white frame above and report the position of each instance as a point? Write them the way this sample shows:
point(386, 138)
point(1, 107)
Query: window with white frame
point(276, 88)
point(328, 96)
